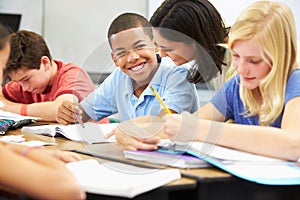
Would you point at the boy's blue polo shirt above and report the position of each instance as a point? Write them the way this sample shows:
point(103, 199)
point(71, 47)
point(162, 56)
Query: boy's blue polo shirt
point(115, 95)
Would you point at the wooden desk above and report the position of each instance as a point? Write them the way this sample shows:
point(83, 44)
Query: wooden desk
point(204, 184)
point(174, 190)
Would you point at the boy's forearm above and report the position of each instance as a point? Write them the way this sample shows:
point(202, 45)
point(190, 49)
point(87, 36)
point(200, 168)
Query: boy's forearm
point(47, 111)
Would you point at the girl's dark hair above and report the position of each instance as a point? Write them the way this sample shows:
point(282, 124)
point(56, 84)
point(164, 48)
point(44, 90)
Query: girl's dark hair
point(200, 22)
point(26, 50)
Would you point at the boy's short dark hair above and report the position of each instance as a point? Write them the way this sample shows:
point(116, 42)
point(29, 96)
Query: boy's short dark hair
point(127, 21)
point(26, 50)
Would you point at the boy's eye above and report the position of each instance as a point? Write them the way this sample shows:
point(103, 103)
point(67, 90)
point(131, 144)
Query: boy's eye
point(141, 46)
point(120, 54)
point(25, 80)
point(167, 49)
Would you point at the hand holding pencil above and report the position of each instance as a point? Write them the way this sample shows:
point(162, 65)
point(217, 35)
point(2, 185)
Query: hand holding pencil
point(160, 100)
point(69, 112)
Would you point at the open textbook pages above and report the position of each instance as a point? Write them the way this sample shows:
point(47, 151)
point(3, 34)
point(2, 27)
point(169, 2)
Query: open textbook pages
point(251, 167)
point(90, 133)
point(117, 179)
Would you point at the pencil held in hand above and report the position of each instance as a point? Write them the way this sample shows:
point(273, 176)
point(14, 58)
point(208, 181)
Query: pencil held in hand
point(79, 120)
point(160, 100)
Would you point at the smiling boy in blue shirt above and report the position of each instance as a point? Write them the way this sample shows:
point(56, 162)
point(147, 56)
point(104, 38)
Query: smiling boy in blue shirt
point(126, 91)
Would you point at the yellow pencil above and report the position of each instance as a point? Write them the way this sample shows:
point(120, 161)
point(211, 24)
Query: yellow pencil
point(160, 100)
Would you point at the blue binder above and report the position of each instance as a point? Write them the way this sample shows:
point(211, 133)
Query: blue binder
point(251, 167)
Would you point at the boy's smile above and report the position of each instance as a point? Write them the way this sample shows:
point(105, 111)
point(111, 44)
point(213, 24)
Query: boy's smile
point(133, 51)
point(137, 68)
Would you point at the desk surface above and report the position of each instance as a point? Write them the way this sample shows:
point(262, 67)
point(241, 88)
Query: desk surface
point(203, 183)
point(109, 149)
point(112, 149)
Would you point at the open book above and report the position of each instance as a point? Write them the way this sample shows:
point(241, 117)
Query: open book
point(116, 179)
point(251, 167)
point(90, 133)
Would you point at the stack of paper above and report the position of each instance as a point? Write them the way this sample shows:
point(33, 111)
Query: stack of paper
point(116, 179)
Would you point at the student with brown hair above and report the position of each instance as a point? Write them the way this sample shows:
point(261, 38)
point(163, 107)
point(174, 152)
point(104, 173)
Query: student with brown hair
point(39, 83)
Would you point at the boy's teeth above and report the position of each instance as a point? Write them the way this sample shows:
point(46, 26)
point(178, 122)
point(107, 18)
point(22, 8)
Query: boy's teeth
point(137, 68)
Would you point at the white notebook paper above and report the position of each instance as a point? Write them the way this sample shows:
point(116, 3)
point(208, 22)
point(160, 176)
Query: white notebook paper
point(117, 179)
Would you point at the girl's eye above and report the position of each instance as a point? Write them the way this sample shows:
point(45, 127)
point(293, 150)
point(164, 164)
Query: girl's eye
point(235, 55)
point(254, 61)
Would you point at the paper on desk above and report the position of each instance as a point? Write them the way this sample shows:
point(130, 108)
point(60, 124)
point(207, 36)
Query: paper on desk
point(14, 116)
point(19, 139)
point(12, 138)
point(117, 179)
point(225, 154)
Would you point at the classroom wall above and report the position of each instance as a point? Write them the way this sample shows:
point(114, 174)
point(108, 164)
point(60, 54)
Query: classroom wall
point(31, 10)
point(75, 30)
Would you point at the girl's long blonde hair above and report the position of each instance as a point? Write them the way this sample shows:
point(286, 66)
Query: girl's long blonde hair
point(272, 25)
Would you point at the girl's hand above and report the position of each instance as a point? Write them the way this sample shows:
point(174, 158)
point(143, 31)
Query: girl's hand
point(181, 127)
point(172, 125)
